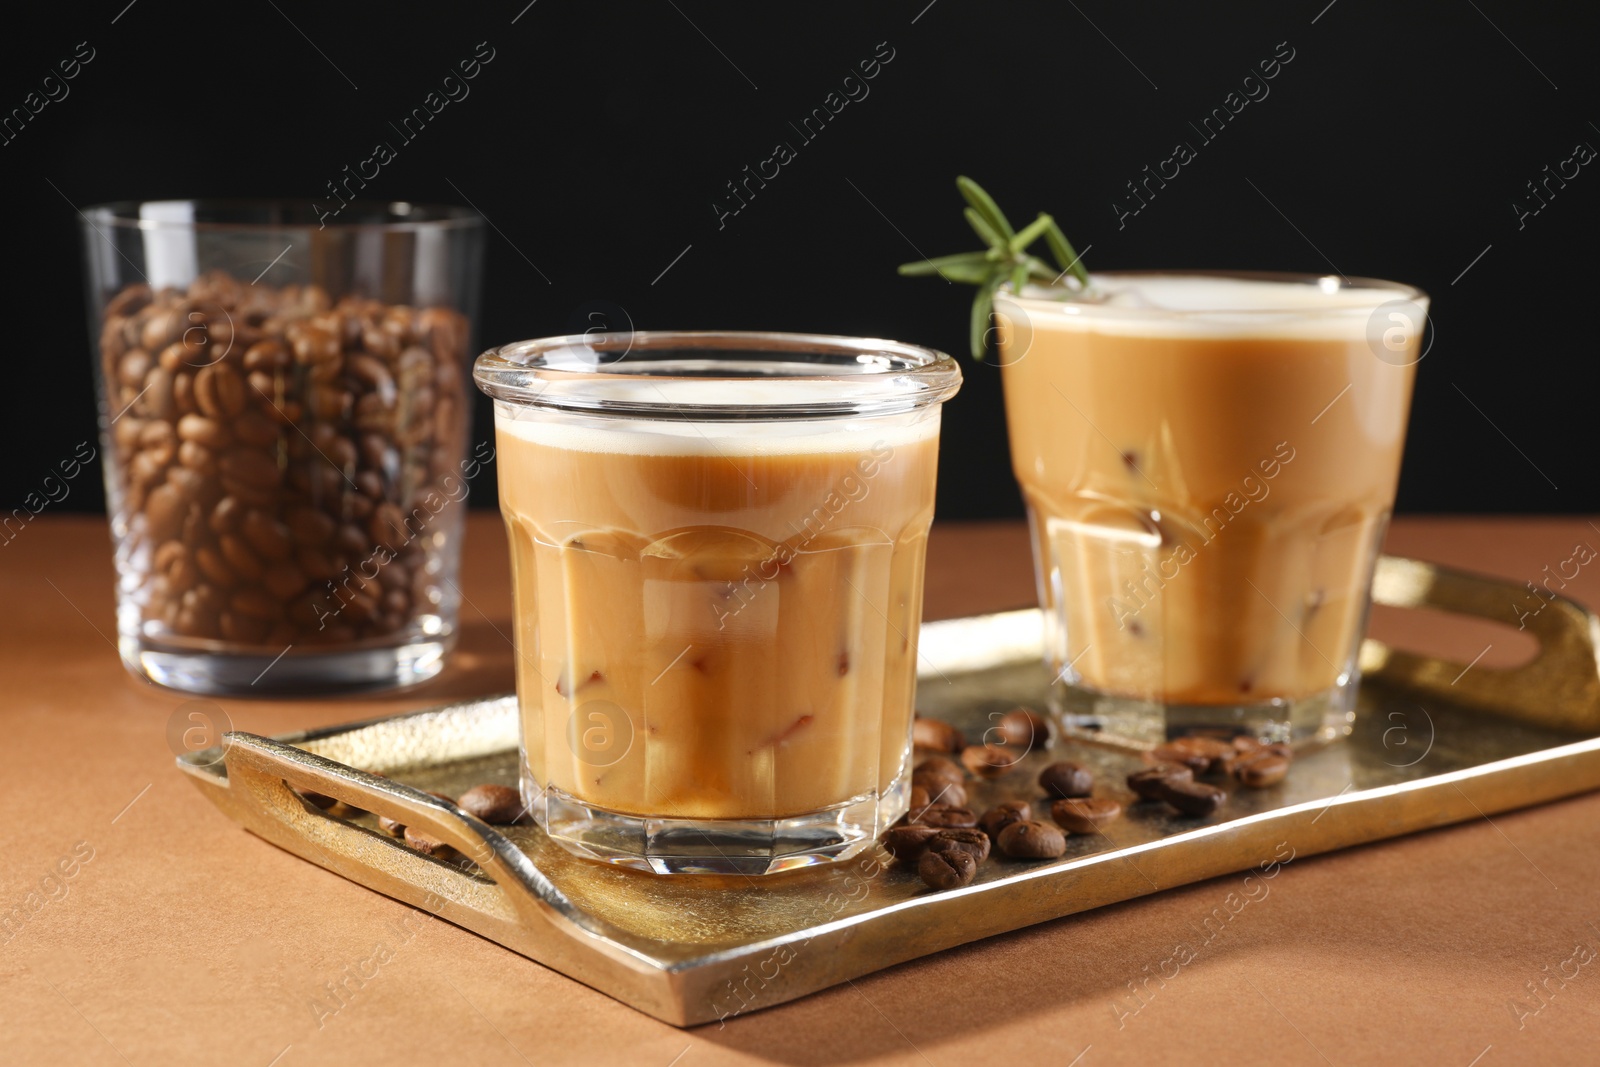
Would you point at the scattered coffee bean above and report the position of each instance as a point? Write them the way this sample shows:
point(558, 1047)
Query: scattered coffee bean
point(1032, 840)
point(1261, 769)
point(966, 839)
point(939, 791)
point(944, 816)
point(1085, 815)
point(1196, 799)
point(1202, 755)
point(936, 736)
point(499, 805)
point(908, 843)
point(1065, 779)
point(426, 845)
point(1024, 728)
point(1149, 782)
point(947, 870)
point(1003, 815)
point(989, 761)
point(938, 768)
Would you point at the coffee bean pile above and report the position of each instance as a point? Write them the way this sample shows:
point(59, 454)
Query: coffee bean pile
point(945, 841)
point(272, 452)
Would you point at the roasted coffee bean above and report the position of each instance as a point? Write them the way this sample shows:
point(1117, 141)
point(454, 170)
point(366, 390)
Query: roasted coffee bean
point(1261, 769)
point(989, 761)
point(908, 843)
point(243, 562)
point(1085, 815)
point(311, 344)
point(242, 629)
point(944, 816)
point(936, 735)
point(940, 791)
point(1203, 755)
point(214, 567)
point(1149, 782)
point(309, 526)
point(283, 580)
point(940, 767)
point(947, 870)
point(226, 516)
point(219, 391)
point(1024, 728)
point(497, 804)
point(1003, 815)
point(197, 458)
point(164, 511)
point(350, 540)
point(268, 536)
point(918, 798)
point(1066, 779)
point(1030, 840)
point(428, 846)
point(250, 467)
point(966, 840)
point(1192, 798)
point(253, 428)
point(269, 357)
point(183, 393)
point(256, 603)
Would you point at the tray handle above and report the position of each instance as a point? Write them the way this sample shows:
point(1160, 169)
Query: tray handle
point(1559, 688)
point(262, 771)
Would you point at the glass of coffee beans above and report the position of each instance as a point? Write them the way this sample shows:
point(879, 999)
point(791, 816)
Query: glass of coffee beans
point(284, 416)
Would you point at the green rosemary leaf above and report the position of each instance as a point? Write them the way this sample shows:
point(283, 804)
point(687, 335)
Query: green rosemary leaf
point(982, 306)
point(1039, 270)
point(1065, 257)
point(1030, 233)
point(986, 232)
point(984, 203)
point(1007, 259)
point(968, 267)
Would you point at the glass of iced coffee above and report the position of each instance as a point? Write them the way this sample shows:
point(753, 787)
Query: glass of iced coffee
point(1209, 462)
point(717, 541)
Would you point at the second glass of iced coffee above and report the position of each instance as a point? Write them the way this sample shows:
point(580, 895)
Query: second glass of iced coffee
point(717, 545)
point(1209, 463)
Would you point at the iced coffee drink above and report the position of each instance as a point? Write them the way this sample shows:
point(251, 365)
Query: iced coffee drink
point(717, 545)
point(1209, 463)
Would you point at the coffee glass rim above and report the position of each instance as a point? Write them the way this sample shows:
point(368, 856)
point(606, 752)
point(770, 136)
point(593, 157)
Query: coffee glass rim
point(298, 214)
point(1062, 297)
point(848, 376)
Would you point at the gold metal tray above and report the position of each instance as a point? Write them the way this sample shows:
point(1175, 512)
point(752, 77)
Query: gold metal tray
point(1430, 745)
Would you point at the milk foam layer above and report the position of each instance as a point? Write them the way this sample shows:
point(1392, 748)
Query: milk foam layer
point(1175, 305)
point(747, 437)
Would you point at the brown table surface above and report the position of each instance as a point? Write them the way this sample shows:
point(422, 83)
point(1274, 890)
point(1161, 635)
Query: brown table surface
point(183, 939)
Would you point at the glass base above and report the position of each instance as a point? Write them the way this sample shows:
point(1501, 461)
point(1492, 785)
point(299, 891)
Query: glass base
point(1320, 716)
point(716, 846)
point(289, 673)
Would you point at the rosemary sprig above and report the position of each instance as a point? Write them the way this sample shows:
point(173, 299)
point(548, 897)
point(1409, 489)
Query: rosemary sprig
point(1006, 258)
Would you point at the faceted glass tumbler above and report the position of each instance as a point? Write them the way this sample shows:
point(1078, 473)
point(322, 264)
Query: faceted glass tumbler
point(717, 541)
point(284, 416)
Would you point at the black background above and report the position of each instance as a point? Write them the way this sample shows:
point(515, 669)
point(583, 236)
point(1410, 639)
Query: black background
point(1393, 145)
